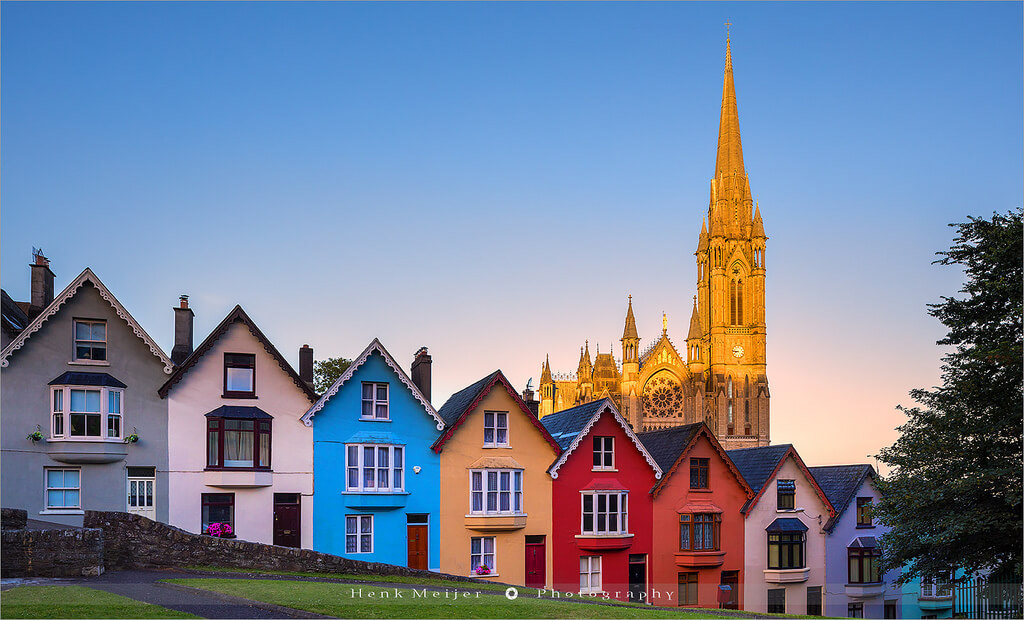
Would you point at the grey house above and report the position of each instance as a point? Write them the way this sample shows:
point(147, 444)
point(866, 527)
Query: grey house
point(80, 379)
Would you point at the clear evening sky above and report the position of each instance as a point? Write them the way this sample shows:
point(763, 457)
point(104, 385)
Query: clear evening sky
point(492, 180)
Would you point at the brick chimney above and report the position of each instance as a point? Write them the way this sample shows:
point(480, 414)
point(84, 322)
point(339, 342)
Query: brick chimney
point(183, 319)
point(42, 284)
point(306, 364)
point(531, 401)
point(421, 371)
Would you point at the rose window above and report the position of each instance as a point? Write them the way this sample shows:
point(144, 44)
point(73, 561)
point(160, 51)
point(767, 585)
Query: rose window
point(663, 397)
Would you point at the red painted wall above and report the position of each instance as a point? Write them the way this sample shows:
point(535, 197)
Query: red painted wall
point(725, 492)
point(634, 475)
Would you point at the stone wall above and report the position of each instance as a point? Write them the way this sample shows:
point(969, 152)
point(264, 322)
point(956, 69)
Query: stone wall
point(137, 542)
point(61, 552)
point(13, 518)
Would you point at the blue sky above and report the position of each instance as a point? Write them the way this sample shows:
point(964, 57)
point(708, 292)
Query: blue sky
point(492, 180)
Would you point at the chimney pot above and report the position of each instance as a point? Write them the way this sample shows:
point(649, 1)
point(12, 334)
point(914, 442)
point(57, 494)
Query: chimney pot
point(42, 283)
point(306, 364)
point(183, 321)
point(420, 371)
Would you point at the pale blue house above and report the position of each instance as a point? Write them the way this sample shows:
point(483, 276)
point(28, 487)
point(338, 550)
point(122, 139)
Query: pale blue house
point(376, 481)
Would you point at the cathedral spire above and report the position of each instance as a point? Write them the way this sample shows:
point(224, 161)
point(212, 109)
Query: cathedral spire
point(730, 173)
point(758, 230)
point(545, 373)
point(630, 330)
point(696, 332)
point(702, 241)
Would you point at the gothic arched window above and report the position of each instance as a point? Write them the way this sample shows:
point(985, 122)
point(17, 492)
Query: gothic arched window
point(736, 301)
point(729, 419)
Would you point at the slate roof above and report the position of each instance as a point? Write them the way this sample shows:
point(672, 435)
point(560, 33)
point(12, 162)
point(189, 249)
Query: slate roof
point(840, 484)
point(15, 317)
point(757, 464)
point(566, 424)
point(457, 403)
point(245, 413)
point(87, 378)
point(667, 444)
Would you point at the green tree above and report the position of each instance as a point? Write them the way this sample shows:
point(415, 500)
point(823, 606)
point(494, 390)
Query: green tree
point(953, 498)
point(327, 371)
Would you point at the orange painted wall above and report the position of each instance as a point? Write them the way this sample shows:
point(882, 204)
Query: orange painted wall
point(726, 493)
point(530, 449)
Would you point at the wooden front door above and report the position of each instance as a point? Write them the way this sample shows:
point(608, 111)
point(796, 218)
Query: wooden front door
point(287, 519)
point(536, 573)
point(417, 536)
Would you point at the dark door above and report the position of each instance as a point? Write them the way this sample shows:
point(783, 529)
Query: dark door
point(286, 520)
point(638, 578)
point(729, 590)
point(536, 575)
point(417, 537)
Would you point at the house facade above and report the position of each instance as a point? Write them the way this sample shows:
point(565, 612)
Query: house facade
point(784, 532)
point(377, 478)
point(495, 490)
point(83, 427)
point(601, 506)
point(238, 451)
point(699, 500)
point(854, 585)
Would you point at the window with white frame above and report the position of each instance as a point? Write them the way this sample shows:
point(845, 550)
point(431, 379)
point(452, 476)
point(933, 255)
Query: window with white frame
point(87, 413)
point(63, 489)
point(376, 468)
point(495, 429)
point(590, 574)
point(604, 512)
point(481, 555)
point(496, 491)
point(90, 340)
point(359, 534)
point(604, 453)
point(375, 401)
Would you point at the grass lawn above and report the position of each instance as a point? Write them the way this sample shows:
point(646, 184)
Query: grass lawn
point(354, 601)
point(76, 602)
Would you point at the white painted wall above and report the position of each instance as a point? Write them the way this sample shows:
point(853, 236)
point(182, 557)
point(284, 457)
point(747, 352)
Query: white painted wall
point(199, 392)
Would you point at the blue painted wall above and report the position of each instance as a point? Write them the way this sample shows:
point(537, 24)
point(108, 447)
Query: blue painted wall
point(411, 426)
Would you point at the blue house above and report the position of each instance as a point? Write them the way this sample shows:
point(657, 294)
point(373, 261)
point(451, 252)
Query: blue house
point(376, 481)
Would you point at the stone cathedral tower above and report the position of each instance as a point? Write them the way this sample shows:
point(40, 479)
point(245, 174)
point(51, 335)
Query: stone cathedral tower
point(720, 376)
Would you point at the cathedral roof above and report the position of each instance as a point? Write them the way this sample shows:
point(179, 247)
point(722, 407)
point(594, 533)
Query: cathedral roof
point(604, 366)
point(840, 484)
point(630, 330)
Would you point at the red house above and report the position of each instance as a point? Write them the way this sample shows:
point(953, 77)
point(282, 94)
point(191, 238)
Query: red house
point(696, 513)
point(601, 504)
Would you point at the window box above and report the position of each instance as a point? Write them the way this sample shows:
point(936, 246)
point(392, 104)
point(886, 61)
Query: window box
point(374, 501)
point(604, 542)
point(84, 451)
point(227, 478)
point(864, 590)
point(699, 559)
point(495, 523)
point(787, 575)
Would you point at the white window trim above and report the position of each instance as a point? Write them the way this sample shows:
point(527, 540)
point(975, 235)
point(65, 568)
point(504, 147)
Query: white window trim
point(603, 467)
point(103, 413)
point(484, 490)
point(622, 512)
point(494, 569)
point(359, 534)
point(495, 428)
point(54, 510)
point(361, 467)
point(374, 402)
point(591, 589)
point(74, 342)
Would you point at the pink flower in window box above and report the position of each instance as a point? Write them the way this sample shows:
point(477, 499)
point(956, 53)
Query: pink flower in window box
point(483, 570)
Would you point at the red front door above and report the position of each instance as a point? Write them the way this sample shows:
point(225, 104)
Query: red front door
point(417, 539)
point(536, 577)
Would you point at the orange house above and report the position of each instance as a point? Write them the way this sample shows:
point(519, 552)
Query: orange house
point(698, 560)
point(495, 489)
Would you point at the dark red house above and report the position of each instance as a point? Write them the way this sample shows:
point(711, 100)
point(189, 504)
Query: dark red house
point(601, 528)
point(696, 513)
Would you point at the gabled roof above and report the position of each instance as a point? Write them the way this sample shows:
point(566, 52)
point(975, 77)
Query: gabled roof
point(86, 276)
point(237, 315)
point(759, 465)
point(458, 406)
point(374, 346)
point(840, 484)
point(569, 426)
point(670, 445)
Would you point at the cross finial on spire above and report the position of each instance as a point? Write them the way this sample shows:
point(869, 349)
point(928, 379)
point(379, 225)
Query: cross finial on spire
point(664, 322)
point(728, 25)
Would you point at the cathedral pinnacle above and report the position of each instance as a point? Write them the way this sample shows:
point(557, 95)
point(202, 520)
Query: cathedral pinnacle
point(696, 332)
point(758, 230)
point(630, 330)
point(730, 174)
point(702, 241)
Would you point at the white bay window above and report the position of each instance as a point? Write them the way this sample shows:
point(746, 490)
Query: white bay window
point(86, 412)
point(604, 513)
point(496, 491)
point(374, 468)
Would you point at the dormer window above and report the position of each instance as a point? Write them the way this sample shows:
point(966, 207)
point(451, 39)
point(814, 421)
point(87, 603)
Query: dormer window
point(375, 401)
point(495, 429)
point(239, 375)
point(90, 340)
point(786, 490)
point(699, 473)
point(604, 453)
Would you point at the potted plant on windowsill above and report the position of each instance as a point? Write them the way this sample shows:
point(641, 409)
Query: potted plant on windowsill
point(220, 530)
point(482, 570)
